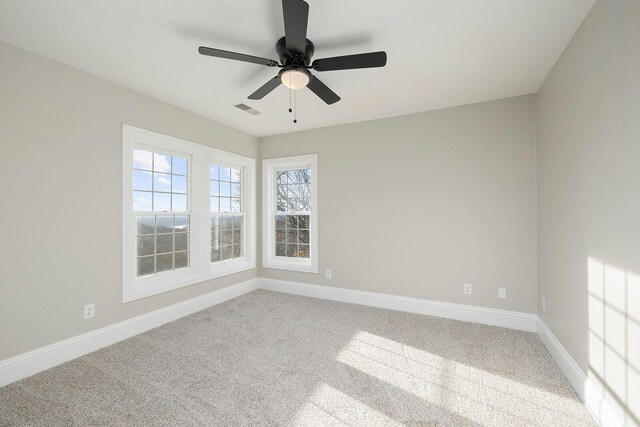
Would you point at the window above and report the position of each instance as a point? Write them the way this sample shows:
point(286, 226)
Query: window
point(290, 213)
point(188, 213)
point(227, 219)
point(160, 200)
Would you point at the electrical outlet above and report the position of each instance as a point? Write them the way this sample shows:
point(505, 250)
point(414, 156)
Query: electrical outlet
point(543, 304)
point(502, 293)
point(89, 311)
point(468, 288)
point(327, 274)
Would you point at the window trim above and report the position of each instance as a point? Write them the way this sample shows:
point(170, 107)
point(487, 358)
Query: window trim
point(247, 199)
point(200, 268)
point(269, 169)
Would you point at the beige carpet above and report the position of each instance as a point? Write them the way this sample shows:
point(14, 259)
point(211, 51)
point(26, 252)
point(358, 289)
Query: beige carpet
point(274, 359)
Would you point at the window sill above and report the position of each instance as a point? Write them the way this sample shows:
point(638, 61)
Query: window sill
point(226, 268)
point(144, 290)
point(291, 266)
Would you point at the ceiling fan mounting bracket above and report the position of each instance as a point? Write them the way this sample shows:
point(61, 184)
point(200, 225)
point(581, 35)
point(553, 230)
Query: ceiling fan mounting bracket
point(294, 59)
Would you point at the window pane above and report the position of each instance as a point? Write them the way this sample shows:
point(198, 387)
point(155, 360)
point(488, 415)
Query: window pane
point(179, 165)
point(304, 205)
point(227, 237)
point(293, 205)
point(215, 239)
point(215, 222)
point(146, 224)
point(303, 251)
point(161, 202)
point(292, 221)
point(226, 223)
point(292, 251)
point(145, 245)
point(164, 243)
point(225, 189)
point(303, 221)
point(179, 202)
point(292, 236)
point(141, 180)
point(152, 190)
point(161, 182)
point(181, 260)
point(182, 223)
point(280, 236)
point(182, 241)
point(178, 184)
point(225, 174)
point(214, 204)
point(164, 262)
point(226, 253)
point(216, 255)
point(237, 221)
point(280, 221)
point(281, 203)
point(235, 190)
point(237, 251)
point(237, 237)
point(214, 188)
point(142, 201)
point(145, 266)
point(235, 205)
point(161, 162)
point(294, 191)
point(142, 160)
point(292, 176)
point(281, 249)
point(164, 224)
point(235, 175)
point(225, 204)
point(168, 238)
point(303, 236)
point(214, 172)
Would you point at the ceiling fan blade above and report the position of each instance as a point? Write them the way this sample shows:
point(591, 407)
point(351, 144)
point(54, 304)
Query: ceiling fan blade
point(320, 89)
point(296, 15)
point(350, 62)
point(266, 88)
point(218, 53)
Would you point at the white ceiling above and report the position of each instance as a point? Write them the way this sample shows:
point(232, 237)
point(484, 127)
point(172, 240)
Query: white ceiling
point(441, 53)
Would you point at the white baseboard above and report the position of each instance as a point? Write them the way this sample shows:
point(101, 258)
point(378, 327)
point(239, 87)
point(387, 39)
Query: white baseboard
point(43, 358)
point(467, 313)
point(32, 362)
point(601, 409)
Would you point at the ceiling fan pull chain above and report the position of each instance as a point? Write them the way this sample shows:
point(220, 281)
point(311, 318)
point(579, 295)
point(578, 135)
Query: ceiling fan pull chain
point(295, 108)
point(290, 95)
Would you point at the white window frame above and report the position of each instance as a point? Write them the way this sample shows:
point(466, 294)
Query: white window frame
point(200, 267)
point(247, 202)
point(269, 169)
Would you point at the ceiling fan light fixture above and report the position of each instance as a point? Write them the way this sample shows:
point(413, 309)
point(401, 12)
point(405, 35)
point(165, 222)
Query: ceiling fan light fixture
point(295, 78)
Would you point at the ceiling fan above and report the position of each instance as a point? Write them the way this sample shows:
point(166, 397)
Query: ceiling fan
point(295, 51)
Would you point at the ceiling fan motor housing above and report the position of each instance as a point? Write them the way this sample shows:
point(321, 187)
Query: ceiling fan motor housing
point(294, 59)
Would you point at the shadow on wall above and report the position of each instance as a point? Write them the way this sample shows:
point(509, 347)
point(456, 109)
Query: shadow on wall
point(614, 339)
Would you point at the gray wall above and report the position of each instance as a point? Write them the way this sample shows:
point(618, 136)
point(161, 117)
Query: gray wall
point(589, 193)
point(417, 205)
point(60, 181)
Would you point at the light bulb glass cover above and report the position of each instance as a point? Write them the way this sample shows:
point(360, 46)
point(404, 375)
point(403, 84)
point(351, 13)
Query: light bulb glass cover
point(295, 79)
